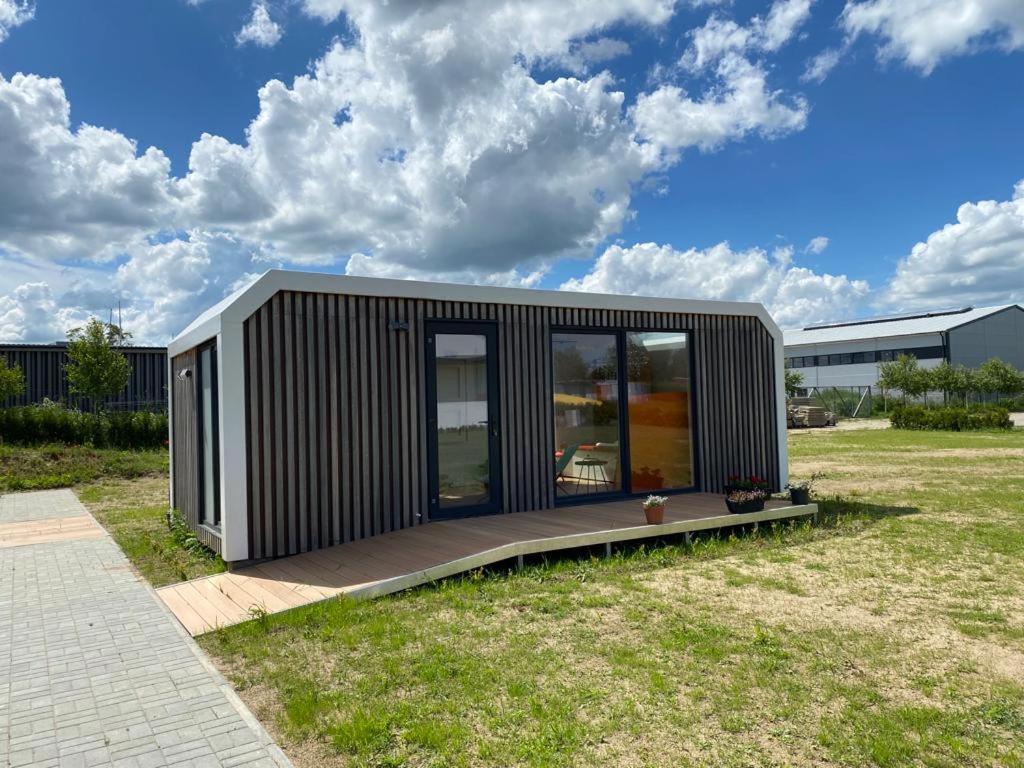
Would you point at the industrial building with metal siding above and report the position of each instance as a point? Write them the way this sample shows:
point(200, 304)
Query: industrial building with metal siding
point(847, 354)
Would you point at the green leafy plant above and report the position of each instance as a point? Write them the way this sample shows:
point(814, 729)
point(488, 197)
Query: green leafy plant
point(954, 381)
point(955, 419)
point(12, 380)
point(805, 485)
point(41, 424)
point(994, 377)
point(904, 374)
point(185, 537)
point(96, 368)
point(794, 381)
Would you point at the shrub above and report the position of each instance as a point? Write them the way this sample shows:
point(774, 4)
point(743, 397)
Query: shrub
point(38, 424)
point(950, 418)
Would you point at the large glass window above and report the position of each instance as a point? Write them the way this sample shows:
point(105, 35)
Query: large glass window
point(208, 437)
point(462, 420)
point(660, 441)
point(587, 450)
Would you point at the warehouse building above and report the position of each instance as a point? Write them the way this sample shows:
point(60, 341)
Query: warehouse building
point(847, 354)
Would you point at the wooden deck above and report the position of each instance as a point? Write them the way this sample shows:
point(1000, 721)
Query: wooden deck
point(414, 556)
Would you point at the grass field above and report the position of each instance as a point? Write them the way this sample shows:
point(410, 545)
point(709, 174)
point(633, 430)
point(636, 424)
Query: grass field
point(890, 635)
point(60, 466)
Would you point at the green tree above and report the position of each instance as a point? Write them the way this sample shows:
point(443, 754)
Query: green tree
point(995, 377)
point(12, 380)
point(794, 381)
point(905, 375)
point(96, 367)
point(954, 381)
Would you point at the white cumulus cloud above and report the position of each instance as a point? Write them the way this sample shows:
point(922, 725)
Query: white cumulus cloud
point(14, 13)
point(384, 158)
point(742, 104)
point(792, 294)
point(260, 29)
point(816, 245)
point(921, 33)
point(72, 193)
point(979, 259)
point(721, 35)
point(820, 66)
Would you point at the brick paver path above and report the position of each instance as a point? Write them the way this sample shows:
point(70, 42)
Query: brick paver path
point(94, 671)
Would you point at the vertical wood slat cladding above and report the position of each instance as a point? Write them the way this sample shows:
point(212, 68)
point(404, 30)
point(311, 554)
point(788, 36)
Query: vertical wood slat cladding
point(45, 377)
point(185, 433)
point(336, 439)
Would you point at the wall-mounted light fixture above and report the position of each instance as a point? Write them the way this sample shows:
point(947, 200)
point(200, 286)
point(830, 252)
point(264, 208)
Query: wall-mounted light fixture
point(184, 373)
point(398, 325)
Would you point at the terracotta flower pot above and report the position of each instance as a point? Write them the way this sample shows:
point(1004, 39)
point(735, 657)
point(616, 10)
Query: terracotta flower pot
point(655, 515)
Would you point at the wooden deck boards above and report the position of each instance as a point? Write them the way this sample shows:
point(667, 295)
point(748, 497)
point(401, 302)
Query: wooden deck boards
point(49, 530)
point(406, 558)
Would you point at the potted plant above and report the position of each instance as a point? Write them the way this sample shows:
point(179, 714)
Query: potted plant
point(654, 509)
point(749, 483)
point(740, 501)
point(800, 491)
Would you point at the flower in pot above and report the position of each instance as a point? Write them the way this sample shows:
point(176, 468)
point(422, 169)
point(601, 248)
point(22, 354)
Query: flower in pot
point(742, 501)
point(800, 491)
point(654, 509)
point(749, 483)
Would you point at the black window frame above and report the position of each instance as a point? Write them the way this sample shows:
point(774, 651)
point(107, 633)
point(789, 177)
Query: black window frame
point(625, 459)
point(492, 331)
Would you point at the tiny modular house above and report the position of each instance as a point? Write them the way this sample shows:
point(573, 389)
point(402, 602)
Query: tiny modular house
point(309, 410)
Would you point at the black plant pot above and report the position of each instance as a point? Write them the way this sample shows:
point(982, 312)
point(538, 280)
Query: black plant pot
point(742, 507)
point(800, 496)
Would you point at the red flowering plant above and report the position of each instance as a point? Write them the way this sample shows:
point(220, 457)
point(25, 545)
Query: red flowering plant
point(752, 484)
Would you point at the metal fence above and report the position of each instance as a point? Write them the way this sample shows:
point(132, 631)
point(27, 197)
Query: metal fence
point(846, 402)
point(45, 378)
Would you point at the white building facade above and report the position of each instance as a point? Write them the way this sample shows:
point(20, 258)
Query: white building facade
point(848, 354)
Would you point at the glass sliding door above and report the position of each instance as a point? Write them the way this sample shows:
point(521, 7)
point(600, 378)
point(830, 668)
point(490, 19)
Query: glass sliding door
point(660, 438)
point(587, 429)
point(463, 420)
point(209, 450)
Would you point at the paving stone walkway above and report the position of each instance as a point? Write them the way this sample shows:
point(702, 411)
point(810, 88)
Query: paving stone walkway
point(94, 671)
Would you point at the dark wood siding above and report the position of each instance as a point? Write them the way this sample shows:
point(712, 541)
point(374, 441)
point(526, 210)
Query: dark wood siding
point(336, 441)
point(43, 366)
point(185, 434)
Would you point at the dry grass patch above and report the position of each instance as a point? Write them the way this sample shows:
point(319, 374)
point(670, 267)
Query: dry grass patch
point(889, 635)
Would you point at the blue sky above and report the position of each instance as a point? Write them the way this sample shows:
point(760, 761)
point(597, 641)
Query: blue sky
point(491, 169)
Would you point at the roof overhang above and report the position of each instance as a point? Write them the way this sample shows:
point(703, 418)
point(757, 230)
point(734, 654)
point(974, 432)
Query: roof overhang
point(238, 307)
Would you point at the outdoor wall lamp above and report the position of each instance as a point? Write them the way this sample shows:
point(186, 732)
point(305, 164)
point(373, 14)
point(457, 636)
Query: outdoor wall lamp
point(184, 373)
point(398, 325)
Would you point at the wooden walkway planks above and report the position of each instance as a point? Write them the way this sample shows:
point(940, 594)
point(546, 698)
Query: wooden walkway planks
point(48, 530)
point(412, 556)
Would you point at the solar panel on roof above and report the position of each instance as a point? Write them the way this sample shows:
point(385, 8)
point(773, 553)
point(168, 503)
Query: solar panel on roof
point(889, 318)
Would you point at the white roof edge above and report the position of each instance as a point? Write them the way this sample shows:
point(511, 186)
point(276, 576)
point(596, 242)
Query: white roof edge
point(240, 305)
point(884, 329)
